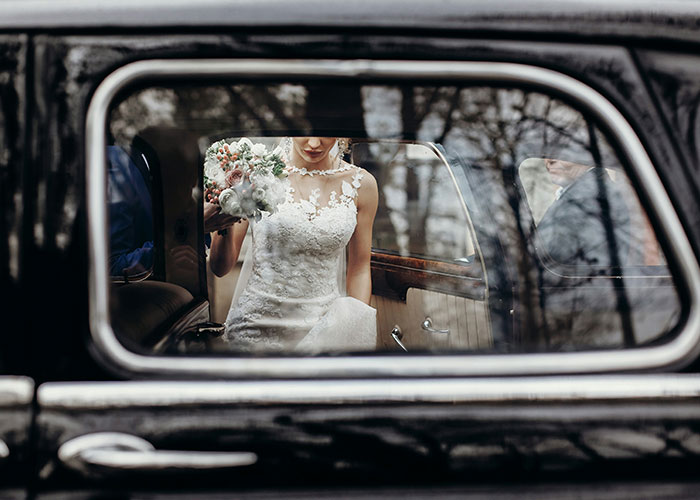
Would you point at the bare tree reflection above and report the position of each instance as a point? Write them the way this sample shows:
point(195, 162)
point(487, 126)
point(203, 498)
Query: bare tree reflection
point(580, 299)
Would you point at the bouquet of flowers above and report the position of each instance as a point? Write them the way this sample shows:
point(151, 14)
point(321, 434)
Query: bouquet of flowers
point(243, 178)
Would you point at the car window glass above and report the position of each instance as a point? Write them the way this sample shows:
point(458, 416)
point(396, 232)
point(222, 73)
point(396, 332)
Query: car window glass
point(505, 221)
point(422, 213)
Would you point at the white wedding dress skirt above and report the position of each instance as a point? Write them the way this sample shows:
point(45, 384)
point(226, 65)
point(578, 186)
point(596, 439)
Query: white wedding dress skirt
point(294, 298)
point(348, 325)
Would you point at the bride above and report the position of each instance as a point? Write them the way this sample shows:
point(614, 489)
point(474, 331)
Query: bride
point(298, 295)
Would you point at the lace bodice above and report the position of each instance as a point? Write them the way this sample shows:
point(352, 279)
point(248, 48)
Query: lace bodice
point(296, 262)
point(296, 249)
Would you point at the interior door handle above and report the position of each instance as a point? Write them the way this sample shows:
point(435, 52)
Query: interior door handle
point(397, 336)
point(427, 325)
point(116, 451)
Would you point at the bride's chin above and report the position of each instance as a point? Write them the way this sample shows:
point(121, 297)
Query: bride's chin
point(315, 160)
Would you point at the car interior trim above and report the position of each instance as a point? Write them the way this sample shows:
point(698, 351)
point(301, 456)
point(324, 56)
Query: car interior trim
point(680, 350)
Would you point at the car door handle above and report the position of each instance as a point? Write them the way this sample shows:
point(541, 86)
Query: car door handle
point(397, 336)
point(115, 451)
point(427, 325)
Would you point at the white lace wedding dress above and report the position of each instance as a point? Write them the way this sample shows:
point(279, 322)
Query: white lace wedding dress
point(294, 298)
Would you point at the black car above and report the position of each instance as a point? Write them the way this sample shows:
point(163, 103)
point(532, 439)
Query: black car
point(534, 255)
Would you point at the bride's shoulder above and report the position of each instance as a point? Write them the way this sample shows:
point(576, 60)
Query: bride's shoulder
point(362, 179)
point(367, 191)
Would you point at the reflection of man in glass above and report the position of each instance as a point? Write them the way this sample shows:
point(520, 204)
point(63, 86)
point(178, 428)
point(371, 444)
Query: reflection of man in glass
point(588, 223)
point(130, 213)
point(564, 173)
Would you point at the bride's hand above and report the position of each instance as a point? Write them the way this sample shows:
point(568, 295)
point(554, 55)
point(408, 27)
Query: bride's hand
point(216, 221)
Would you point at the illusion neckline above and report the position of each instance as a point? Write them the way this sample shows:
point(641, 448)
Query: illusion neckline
point(347, 196)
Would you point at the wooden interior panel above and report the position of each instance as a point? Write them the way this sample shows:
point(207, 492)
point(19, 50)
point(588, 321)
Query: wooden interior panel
point(393, 275)
point(483, 325)
point(466, 319)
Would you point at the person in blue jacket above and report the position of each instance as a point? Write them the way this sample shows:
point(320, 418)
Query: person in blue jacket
point(130, 213)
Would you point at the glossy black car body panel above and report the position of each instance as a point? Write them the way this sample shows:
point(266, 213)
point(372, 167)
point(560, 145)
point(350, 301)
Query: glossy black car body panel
point(15, 393)
point(53, 58)
point(329, 445)
point(12, 226)
point(332, 440)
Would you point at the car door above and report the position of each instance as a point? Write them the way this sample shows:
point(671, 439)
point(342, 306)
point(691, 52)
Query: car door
point(423, 230)
point(17, 388)
point(173, 410)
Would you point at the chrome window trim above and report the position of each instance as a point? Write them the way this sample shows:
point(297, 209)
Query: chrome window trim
point(680, 350)
point(466, 14)
point(557, 389)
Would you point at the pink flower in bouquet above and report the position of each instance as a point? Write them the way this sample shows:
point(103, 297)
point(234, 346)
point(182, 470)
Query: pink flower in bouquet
point(234, 177)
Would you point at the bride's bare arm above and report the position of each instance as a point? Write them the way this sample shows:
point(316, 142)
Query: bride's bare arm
point(359, 276)
point(226, 247)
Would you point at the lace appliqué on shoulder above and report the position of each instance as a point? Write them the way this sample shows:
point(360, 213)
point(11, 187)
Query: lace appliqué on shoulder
point(349, 190)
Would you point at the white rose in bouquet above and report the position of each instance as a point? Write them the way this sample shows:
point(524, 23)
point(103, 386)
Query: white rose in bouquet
point(258, 195)
point(213, 171)
point(229, 200)
point(244, 141)
point(259, 150)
